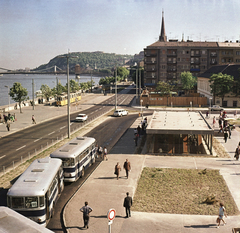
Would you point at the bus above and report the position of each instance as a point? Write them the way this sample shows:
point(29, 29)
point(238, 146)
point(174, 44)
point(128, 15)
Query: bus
point(11, 221)
point(76, 155)
point(36, 191)
point(63, 99)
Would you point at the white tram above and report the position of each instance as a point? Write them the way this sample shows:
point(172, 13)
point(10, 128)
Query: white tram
point(77, 155)
point(36, 191)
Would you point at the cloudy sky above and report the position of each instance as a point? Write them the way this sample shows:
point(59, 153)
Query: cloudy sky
point(34, 31)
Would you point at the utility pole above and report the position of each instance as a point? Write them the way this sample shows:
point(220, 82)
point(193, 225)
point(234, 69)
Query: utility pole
point(116, 88)
point(33, 101)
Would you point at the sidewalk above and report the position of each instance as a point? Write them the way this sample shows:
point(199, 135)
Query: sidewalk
point(103, 191)
point(44, 112)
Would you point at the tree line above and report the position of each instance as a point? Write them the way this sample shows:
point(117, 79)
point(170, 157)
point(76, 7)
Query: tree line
point(20, 94)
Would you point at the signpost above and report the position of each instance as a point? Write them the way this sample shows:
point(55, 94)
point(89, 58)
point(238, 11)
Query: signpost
point(111, 215)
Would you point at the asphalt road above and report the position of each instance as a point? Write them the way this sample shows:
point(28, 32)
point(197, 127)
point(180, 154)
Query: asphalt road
point(33, 139)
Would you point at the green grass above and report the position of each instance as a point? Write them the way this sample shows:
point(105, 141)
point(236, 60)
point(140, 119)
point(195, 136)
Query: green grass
point(182, 191)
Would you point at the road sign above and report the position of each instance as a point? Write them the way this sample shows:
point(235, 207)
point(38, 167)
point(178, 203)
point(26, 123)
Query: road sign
point(111, 214)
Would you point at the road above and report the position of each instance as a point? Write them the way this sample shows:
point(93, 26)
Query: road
point(33, 139)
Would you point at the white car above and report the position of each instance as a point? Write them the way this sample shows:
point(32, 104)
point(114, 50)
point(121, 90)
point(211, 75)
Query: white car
point(215, 108)
point(120, 112)
point(81, 117)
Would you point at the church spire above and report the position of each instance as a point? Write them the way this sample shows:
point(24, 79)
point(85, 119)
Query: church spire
point(162, 36)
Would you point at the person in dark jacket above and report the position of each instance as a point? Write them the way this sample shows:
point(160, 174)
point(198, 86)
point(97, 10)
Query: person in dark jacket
point(127, 204)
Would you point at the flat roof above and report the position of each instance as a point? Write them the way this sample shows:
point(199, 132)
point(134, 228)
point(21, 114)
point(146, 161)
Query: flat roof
point(174, 122)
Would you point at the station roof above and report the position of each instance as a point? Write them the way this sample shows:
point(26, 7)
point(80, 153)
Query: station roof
point(174, 122)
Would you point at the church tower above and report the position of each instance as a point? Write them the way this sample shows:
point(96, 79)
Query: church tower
point(163, 36)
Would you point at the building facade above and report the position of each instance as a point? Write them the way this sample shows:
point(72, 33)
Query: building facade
point(166, 60)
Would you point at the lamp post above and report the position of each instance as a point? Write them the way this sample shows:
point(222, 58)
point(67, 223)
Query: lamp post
point(210, 99)
point(116, 89)
point(68, 85)
point(8, 97)
point(141, 108)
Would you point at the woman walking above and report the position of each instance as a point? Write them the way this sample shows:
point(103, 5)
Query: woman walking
point(117, 170)
point(221, 215)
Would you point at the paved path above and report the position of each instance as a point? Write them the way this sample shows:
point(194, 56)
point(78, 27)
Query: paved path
point(103, 191)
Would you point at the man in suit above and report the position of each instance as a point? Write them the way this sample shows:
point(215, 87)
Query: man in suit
point(127, 167)
point(127, 204)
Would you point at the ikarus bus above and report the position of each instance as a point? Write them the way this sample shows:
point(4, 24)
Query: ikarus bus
point(77, 155)
point(36, 191)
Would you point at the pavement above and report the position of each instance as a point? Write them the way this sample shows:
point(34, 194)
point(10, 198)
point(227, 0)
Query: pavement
point(103, 191)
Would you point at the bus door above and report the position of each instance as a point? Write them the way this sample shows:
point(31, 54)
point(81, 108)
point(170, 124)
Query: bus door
point(47, 206)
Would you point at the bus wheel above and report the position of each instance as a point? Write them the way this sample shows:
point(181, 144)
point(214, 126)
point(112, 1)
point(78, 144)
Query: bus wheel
point(83, 172)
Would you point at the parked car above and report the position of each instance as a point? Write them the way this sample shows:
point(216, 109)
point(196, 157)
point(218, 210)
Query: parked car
point(120, 112)
point(215, 108)
point(81, 117)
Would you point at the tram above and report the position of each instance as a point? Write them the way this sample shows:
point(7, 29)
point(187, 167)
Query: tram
point(63, 99)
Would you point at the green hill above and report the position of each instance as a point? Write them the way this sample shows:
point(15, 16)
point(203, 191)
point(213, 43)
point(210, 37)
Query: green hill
point(98, 60)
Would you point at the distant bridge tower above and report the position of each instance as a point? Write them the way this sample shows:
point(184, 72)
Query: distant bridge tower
point(55, 69)
point(77, 70)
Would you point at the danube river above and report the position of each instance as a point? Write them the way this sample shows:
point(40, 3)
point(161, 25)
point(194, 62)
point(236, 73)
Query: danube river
point(39, 79)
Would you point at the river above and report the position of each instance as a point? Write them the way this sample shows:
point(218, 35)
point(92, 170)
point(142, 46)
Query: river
point(39, 79)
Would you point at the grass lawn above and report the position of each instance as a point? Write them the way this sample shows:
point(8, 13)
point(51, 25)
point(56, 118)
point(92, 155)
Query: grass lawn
point(182, 191)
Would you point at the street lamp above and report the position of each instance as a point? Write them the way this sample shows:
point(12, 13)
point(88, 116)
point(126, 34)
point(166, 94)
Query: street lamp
point(8, 97)
point(116, 89)
point(210, 99)
point(68, 85)
point(141, 108)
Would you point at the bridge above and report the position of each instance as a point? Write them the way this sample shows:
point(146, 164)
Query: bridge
point(49, 70)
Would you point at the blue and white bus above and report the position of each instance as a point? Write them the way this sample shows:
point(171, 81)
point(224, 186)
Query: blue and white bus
point(36, 191)
point(77, 155)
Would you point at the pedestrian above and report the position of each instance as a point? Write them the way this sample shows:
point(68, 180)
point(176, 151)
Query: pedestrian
point(235, 114)
point(207, 114)
point(8, 125)
point(221, 215)
point(136, 139)
point(139, 130)
point(127, 167)
point(86, 210)
point(229, 131)
point(214, 121)
point(100, 151)
point(225, 135)
point(117, 170)
point(237, 152)
point(105, 153)
point(220, 122)
point(127, 204)
point(33, 119)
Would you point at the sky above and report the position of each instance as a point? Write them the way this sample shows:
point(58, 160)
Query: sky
point(32, 32)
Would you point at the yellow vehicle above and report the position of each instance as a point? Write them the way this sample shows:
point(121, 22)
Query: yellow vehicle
point(63, 99)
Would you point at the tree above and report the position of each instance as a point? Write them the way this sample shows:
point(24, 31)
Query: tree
point(18, 94)
point(122, 72)
point(46, 91)
point(221, 84)
point(187, 80)
point(74, 86)
point(164, 87)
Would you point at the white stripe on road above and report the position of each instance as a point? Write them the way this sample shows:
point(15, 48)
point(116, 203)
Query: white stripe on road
point(2, 156)
point(37, 139)
point(63, 127)
point(21, 147)
point(51, 132)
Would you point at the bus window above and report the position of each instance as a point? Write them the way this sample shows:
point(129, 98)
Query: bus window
point(17, 202)
point(41, 201)
point(31, 202)
point(68, 162)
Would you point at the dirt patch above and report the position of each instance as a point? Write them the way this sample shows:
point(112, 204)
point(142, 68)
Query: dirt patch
point(182, 191)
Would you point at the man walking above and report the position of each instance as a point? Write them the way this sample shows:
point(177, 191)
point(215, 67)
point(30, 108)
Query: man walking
point(86, 210)
point(33, 119)
point(127, 167)
point(127, 204)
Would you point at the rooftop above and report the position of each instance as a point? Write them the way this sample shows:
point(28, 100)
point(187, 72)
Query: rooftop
point(173, 122)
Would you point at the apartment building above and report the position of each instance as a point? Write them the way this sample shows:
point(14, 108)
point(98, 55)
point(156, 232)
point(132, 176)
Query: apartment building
point(165, 60)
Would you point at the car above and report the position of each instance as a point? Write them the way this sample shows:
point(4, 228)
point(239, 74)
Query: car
point(120, 112)
point(215, 108)
point(81, 117)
